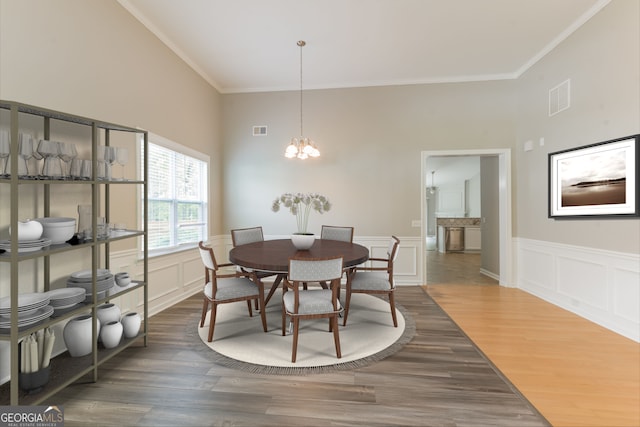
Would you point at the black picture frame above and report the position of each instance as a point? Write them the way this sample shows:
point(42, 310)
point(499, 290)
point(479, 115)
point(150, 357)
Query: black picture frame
point(596, 180)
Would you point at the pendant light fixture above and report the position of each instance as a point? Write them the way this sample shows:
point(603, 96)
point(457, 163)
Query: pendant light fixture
point(301, 147)
point(432, 189)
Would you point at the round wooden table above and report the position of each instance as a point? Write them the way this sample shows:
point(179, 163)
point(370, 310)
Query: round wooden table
point(273, 255)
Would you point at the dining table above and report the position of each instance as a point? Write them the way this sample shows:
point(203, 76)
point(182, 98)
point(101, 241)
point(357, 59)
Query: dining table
point(273, 256)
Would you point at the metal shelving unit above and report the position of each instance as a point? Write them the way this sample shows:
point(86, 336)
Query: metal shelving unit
point(65, 369)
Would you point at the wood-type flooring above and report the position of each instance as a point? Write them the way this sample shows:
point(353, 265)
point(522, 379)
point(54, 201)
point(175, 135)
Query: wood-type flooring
point(573, 371)
point(438, 379)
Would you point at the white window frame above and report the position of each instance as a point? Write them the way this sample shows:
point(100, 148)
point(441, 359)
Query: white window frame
point(179, 148)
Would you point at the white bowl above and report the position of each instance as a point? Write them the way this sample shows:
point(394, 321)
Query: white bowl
point(57, 229)
point(122, 279)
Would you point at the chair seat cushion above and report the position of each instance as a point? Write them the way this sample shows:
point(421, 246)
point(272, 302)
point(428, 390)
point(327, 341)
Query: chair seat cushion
point(232, 288)
point(311, 302)
point(370, 281)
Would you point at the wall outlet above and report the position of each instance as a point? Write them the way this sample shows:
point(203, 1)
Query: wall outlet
point(416, 223)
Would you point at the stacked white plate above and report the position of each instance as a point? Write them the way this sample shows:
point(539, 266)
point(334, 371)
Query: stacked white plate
point(82, 279)
point(64, 298)
point(26, 245)
point(32, 308)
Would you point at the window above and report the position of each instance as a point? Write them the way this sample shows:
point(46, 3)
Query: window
point(178, 196)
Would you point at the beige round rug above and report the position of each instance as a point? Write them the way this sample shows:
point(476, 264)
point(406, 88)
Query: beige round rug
point(369, 336)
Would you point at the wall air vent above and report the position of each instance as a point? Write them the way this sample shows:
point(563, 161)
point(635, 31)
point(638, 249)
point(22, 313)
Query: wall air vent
point(560, 97)
point(259, 130)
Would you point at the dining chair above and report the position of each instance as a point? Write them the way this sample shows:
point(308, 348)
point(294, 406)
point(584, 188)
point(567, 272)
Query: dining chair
point(243, 236)
point(299, 304)
point(374, 280)
point(332, 232)
point(223, 288)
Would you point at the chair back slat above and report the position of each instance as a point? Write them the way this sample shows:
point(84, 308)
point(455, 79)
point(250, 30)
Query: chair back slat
point(331, 232)
point(243, 236)
point(315, 270)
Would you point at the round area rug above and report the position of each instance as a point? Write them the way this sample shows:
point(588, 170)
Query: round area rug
point(239, 341)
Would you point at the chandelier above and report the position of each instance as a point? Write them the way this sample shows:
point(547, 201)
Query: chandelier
point(301, 147)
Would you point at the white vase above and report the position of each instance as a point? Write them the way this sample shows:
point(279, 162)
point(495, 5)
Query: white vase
point(78, 336)
point(131, 324)
point(302, 242)
point(111, 334)
point(108, 313)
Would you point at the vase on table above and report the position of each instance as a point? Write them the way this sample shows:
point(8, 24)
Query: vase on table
point(303, 241)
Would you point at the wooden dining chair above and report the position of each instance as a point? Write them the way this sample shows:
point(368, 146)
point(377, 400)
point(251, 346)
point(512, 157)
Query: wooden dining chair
point(226, 288)
point(243, 236)
point(299, 304)
point(377, 280)
point(332, 232)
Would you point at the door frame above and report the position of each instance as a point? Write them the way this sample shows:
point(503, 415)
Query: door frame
point(504, 208)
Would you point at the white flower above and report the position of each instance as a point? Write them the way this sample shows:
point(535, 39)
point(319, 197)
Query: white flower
point(300, 205)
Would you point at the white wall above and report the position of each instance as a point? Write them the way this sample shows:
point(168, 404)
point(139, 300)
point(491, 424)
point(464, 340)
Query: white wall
point(586, 266)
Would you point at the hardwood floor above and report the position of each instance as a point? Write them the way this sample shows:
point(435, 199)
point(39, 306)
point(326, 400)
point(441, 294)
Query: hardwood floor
point(573, 371)
point(457, 268)
point(438, 379)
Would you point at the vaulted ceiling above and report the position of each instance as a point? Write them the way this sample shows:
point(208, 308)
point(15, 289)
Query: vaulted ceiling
point(250, 45)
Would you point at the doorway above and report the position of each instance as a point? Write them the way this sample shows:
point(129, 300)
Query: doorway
point(504, 206)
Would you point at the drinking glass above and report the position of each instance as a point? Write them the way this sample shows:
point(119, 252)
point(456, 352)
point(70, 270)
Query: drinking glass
point(110, 159)
point(4, 150)
point(76, 169)
point(25, 152)
point(86, 170)
point(102, 155)
point(67, 152)
point(52, 169)
point(122, 157)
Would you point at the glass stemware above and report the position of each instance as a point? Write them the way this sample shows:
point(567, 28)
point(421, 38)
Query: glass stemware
point(25, 151)
point(4, 150)
point(67, 152)
point(110, 159)
point(122, 157)
point(101, 155)
point(52, 169)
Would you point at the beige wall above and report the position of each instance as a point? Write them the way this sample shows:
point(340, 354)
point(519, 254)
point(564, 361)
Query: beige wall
point(93, 59)
point(371, 141)
point(602, 59)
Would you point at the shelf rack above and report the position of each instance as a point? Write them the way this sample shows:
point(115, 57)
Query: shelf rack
point(67, 369)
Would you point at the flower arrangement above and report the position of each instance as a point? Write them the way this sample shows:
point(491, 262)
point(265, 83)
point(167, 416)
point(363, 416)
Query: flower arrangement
point(300, 205)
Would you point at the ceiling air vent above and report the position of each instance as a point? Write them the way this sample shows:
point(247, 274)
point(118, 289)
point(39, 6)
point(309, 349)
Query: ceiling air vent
point(560, 97)
point(259, 130)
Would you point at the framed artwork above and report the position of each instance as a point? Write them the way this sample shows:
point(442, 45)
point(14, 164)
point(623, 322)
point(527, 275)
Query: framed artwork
point(595, 180)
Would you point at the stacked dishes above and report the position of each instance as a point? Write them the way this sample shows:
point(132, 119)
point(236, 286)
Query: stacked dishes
point(26, 245)
point(32, 308)
point(66, 298)
point(82, 279)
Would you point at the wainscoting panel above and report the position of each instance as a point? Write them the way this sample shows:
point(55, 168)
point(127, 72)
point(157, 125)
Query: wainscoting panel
point(601, 286)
